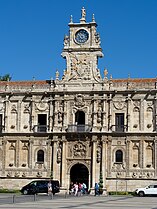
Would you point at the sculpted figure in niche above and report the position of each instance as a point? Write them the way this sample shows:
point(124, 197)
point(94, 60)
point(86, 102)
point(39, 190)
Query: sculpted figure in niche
point(59, 153)
point(59, 117)
point(79, 100)
point(66, 40)
point(97, 38)
point(99, 114)
point(98, 155)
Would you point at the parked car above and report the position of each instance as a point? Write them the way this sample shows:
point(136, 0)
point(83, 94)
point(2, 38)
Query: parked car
point(148, 190)
point(40, 186)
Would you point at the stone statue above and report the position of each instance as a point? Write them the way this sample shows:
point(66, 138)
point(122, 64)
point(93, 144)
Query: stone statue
point(66, 40)
point(83, 13)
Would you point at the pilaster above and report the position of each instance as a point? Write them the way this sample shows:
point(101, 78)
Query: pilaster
point(31, 142)
point(155, 113)
point(6, 114)
point(93, 177)
point(64, 162)
point(155, 156)
point(109, 159)
point(104, 159)
point(50, 114)
point(19, 116)
point(65, 111)
point(32, 114)
point(127, 157)
point(109, 112)
point(129, 122)
point(94, 129)
point(54, 167)
point(141, 154)
point(104, 122)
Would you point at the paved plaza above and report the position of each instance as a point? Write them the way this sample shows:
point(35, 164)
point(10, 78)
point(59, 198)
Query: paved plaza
point(84, 202)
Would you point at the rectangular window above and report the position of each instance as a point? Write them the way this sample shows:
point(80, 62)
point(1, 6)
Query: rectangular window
point(119, 122)
point(42, 123)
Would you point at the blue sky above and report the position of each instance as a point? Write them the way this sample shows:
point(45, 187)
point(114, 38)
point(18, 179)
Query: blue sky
point(32, 32)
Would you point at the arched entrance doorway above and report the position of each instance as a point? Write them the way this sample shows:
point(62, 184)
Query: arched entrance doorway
point(79, 173)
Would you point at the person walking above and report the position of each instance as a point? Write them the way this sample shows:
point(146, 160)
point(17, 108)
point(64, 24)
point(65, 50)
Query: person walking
point(49, 186)
point(76, 189)
point(96, 189)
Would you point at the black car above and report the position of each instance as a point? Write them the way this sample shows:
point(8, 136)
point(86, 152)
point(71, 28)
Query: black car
point(40, 186)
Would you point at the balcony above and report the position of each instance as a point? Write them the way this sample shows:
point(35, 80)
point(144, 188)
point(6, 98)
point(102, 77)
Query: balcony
point(40, 128)
point(79, 128)
point(119, 128)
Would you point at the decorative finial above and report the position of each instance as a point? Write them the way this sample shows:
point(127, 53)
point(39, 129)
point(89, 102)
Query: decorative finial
point(93, 18)
point(71, 19)
point(105, 73)
point(57, 75)
point(83, 15)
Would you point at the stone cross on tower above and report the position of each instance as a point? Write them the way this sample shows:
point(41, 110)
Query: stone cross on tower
point(83, 15)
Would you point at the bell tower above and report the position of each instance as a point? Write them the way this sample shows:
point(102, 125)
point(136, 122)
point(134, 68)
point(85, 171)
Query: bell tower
point(81, 51)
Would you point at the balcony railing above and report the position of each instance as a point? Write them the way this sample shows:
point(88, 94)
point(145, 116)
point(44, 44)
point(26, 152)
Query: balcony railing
point(79, 128)
point(119, 128)
point(40, 128)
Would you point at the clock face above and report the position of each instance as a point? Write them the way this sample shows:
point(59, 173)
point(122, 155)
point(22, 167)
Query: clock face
point(81, 36)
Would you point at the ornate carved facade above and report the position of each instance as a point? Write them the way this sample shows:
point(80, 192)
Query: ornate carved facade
point(75, 127)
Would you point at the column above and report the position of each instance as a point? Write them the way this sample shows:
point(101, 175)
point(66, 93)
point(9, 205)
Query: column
point(129, 125)
point(49, 155)
point(95, 114)
point(64, 167)
point(155, 156)
point(6, 113)
point(141, 154)
point(104, 160)
point(93, 175)
point(110, 113)
point(142, 115)
point(50, 114)
point(56, 108)
point(109, 161)
point(32, 114)
point(31, 142)
point(155, 114)
point(127, 164)
point(65, 116)
point(19, 122)
point(104, 121)
point(54, 166)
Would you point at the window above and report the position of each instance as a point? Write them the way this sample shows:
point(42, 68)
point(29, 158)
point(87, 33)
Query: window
point(42, 122)
point(119, 156)
point(40, 156)
point(119, 122)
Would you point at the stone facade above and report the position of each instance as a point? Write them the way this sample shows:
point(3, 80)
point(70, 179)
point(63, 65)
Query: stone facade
point(76, 127)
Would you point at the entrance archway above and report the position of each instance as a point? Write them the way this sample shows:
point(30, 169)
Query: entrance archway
point(79, 173)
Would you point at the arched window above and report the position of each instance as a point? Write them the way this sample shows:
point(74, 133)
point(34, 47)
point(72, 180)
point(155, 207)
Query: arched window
point(119, 156)
point(40, 156)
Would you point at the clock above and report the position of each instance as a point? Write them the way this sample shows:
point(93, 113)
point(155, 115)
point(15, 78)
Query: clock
point(81, 36)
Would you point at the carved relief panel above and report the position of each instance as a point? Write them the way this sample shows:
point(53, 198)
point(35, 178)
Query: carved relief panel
point(78, 150)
